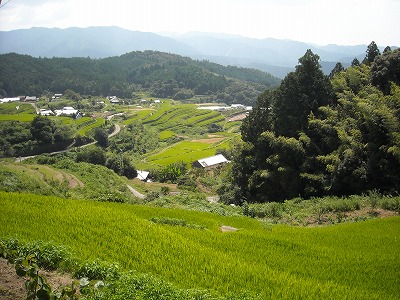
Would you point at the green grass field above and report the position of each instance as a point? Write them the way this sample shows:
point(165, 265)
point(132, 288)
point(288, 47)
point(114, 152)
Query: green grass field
point(347, 261)
point(91, 125)
point(186, 151)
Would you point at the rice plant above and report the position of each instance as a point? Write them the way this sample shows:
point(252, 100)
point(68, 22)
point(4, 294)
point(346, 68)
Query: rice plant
point(350, 260)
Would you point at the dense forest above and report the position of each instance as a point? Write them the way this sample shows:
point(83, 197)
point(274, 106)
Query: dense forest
point(160, 74)
point(322, 135)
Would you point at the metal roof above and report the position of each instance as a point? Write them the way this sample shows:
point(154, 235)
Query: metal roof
point(212, 160)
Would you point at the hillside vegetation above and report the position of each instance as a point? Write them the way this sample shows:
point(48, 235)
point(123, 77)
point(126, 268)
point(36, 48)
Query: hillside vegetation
point(319, 150)
point(355, 260)
point(318, 135)
point(160, 74)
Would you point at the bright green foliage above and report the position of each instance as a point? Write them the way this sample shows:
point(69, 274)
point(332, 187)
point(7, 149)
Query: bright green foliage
point(41, 135)
point(97, 123)
point(166, 134)
point(16, 108)
point(341, 147)
point(185, 151)
point(275, 262)
point(171, 172)
point(66, 178)
point(139, 115)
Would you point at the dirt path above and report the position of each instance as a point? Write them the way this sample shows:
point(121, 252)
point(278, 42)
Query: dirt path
point(135, 192)
point(117, 130)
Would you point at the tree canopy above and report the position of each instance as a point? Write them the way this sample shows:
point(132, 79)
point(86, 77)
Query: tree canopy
point(314, 136)
point(160, 74)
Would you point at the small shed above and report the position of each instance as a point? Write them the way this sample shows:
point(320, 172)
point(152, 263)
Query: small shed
point(142, 175)
point(211, 162)
point(30, 98)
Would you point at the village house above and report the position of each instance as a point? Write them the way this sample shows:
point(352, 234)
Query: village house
point(30, 98)
point(14, 99)
point(46, 112)
point(68, 111)
point(211, 162)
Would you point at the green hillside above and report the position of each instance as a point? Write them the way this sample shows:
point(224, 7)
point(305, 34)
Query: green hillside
point(160, 74)
point(348, 261)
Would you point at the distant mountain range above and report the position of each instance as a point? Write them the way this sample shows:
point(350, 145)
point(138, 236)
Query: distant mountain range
point(274, 56)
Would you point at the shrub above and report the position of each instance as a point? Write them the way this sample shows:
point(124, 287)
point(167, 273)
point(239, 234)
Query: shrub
point(165, 190)
point(98, 270)
point(47, 255)
point(187, 183)
point(151, 196)
point(391, 203)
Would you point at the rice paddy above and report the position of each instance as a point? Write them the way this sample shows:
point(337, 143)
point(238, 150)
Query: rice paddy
point(346, 261)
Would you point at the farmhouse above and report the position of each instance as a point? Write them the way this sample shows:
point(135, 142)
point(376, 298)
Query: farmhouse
point(30, 99)
point(237, 106)
point(56, 96)
point(46, 112)
point(114, 100)
point(68, 111)
point(211, 162)
point(4, 100)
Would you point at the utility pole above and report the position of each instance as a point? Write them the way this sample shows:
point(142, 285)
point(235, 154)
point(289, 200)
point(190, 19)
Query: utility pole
point(121, 164)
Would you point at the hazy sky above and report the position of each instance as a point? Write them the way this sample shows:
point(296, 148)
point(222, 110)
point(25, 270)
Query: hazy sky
point(344, 22)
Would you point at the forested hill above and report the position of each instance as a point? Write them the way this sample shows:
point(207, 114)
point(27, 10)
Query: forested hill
point(317, 135)
point(160, 74)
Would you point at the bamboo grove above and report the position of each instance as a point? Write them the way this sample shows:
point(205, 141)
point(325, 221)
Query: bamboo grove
point(322, 135)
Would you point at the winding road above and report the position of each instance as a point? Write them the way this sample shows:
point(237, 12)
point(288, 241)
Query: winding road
point(117, 130)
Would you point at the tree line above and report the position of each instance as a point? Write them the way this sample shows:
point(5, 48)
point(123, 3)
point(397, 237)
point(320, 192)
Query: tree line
point(319, 135)
point(160, 74)
point(27, 138)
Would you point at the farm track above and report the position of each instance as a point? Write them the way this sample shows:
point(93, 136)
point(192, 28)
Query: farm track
point(135, 192)
point(117, 130)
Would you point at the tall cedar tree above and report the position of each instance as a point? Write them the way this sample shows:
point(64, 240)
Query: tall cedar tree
point(372, 52)
point(300, 93)
point(268, 165)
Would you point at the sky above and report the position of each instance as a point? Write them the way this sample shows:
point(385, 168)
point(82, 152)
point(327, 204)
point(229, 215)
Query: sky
point(321, 22)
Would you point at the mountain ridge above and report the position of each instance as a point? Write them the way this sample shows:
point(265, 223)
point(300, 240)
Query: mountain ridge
point(275, 56)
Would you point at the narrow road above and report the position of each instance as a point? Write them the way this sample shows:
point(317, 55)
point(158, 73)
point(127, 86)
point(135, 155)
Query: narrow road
point(117, 130)
point(135, 192)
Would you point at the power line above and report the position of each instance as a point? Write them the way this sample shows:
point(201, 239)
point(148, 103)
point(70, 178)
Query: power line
point(4, 3)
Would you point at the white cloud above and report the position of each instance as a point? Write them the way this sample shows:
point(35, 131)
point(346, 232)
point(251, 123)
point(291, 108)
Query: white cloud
point(316, 21)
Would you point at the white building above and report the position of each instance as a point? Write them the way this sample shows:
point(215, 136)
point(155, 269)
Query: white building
point(46, 112)
point(210, 162)
point(67, 111)
point(14, 99)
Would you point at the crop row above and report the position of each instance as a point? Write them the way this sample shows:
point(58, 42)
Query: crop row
point(174, 117)
point(138, 116)
point(99, 122)
point(352, 261)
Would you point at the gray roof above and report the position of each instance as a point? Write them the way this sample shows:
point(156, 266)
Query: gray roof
point(212, 160)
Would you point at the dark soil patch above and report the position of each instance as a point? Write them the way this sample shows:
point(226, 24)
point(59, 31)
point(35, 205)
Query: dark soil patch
point(12, 287)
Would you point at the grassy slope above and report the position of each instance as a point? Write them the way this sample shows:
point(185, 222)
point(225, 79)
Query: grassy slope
point(355, 260)
point(70, 180)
